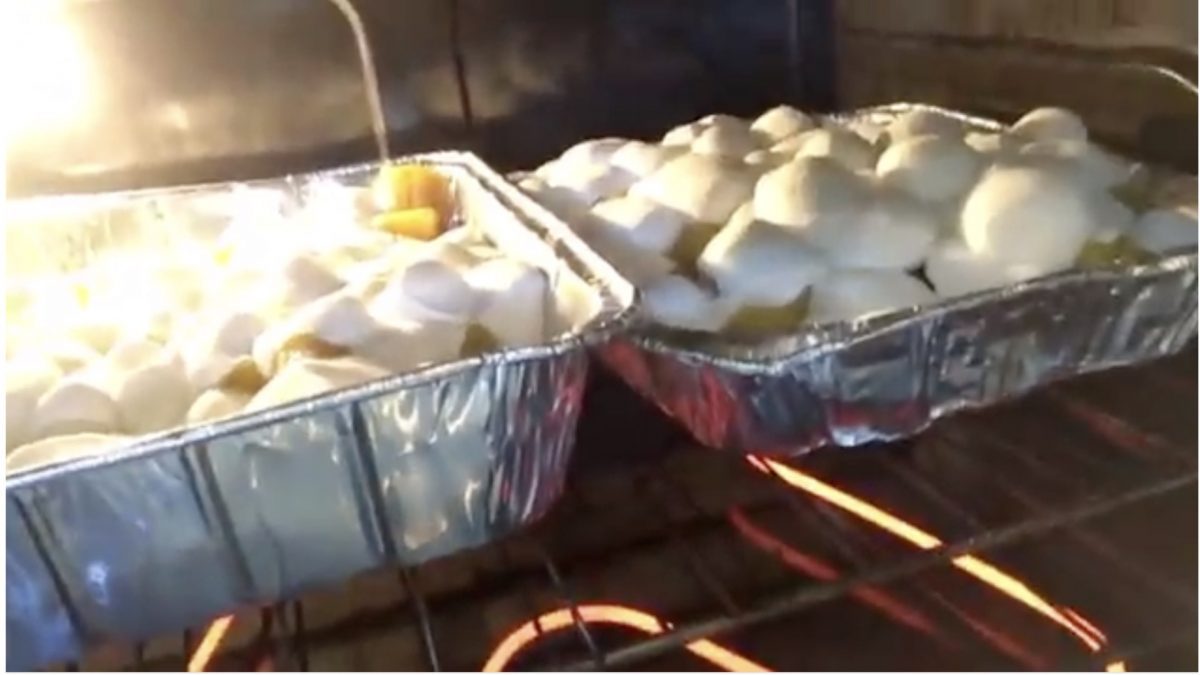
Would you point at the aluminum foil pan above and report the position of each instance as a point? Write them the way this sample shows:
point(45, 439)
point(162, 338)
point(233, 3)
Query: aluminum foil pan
point(176, 529)
point(890, 376)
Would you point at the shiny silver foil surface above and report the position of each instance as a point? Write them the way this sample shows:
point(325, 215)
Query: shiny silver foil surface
point(184, 526)
point(890, 376)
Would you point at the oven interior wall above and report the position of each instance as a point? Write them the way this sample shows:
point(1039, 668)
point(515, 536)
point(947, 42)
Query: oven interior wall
point(195, 90)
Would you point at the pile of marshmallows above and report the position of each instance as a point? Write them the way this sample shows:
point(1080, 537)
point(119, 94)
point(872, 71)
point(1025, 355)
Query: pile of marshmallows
point(725, 215)
point(262, 313)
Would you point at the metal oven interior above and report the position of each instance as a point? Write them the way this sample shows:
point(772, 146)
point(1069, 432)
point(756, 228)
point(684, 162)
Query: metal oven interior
point(1056, 531)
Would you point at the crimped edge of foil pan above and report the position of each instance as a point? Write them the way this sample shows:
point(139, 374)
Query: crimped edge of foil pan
point(620, 311)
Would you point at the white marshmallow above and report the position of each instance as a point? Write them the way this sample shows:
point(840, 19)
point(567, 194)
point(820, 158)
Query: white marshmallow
point(922, 123)
point(402, 347)
point(513, 303)
point(955, 270)
point(706, 189)
point(843, 146)
point(338, 319)
point(1096, 166)
point(800, 192)
point(782, 121)
point(644, 223)
point(71, 355)
point(857, 294)
point(725, 141)
point(1050, 124)
point(597, 151)
point(1029, 215)
point(683, 135)
point(760, 264)
point(152, 397)
point(77, 403)
point(930, 168)
point(216, 404)
point(1164, 230)
point(892, 231)
point(677, 302)
point(302, 378)
point(766, 158)
point(590, 183)
point(426, 290)
point(59, 449)
point(642, 159)
point(991, 145)
point(25, 382)
point(743, 215)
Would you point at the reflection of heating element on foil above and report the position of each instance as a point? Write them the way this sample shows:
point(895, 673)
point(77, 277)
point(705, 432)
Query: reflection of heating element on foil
point(530, 632)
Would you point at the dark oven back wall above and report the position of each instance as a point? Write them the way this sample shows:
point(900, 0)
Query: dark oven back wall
point(204, 90)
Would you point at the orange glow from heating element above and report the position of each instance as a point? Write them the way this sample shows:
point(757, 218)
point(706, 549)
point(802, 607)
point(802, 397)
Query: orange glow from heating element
point(616, 615)
point(710, 651)
point(208, 645)
point(985, 572)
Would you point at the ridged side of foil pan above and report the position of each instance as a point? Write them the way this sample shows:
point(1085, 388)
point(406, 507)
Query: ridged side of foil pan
point(890, 376)
point(177, 529)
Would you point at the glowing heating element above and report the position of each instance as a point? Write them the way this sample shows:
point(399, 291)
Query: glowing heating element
point(208, 645)
point(529, 632)
point(616, 615)
point(985, 572)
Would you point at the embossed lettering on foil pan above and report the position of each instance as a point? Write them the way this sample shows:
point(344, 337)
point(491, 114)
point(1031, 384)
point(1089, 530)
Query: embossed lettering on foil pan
point(890, 376)
point(180, 527)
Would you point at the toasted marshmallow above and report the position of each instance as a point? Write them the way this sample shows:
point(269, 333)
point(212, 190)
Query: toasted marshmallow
point(705, 189)
point(1164, 230)
point(1050, 124)
point(922, 123)
point(780, 122)
point(60, 449)
point(930, 168)
point(857, 294)
point(642, 222)
point(761, 264)
point(302, 378)
point(26, 381)
point(1027, 215)
point(992, 145)
point(676, 302)
point(642, 159)
point(798, 193)
point(216, 404)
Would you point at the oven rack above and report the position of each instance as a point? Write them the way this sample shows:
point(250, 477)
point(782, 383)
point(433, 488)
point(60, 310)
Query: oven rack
point(1016, 494)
